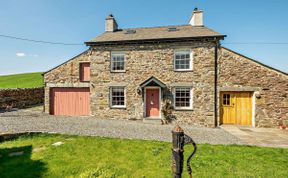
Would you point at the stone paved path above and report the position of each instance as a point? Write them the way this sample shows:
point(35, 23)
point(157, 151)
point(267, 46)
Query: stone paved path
point(266, 137)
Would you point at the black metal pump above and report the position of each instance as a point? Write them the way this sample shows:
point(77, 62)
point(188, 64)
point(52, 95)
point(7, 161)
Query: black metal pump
point(179, 139)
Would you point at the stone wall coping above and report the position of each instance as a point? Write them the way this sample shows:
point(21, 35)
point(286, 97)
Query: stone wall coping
point(7, 89)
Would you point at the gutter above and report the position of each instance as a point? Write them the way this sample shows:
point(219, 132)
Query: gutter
point(142, 41)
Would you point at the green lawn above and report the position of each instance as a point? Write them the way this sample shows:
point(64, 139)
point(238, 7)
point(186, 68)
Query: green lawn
point(81, 156)
point(28, 80)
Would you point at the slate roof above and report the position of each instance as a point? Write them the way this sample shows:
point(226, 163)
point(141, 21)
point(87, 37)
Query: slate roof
point(155, 33)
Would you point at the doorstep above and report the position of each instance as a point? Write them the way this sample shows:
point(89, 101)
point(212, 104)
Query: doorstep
point(149, 120)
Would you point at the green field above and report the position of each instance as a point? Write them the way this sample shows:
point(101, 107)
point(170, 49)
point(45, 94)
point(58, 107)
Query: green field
point(27, 80)
point(82, 156)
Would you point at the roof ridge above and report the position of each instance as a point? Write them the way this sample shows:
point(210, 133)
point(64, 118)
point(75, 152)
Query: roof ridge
point(156, 27)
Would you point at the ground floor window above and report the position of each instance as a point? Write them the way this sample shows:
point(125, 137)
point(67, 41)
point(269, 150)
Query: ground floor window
point(117, 97)
point(183, 98)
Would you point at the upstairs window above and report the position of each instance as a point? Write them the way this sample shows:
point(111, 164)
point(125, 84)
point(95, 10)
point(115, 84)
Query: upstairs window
point(85, 72)
point(183, 60)
point(118, 62)
point(117, 97)
point(183, 98)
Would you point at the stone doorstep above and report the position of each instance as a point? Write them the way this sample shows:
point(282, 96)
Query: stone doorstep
point(152, 121)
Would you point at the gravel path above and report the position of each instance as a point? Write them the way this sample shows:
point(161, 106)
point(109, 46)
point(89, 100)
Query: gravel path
point(34, 120)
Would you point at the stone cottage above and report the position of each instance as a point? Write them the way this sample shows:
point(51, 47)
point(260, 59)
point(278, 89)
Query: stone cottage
point(132, 73)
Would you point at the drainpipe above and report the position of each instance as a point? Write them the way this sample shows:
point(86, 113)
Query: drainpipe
point(216, 84)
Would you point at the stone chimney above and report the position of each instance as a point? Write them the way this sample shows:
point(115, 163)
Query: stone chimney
point(110, 24)
point(197, 18)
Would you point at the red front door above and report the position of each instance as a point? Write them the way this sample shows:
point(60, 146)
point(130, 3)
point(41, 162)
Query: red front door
point(152, 102)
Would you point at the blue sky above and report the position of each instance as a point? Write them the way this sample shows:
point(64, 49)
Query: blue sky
point(72, 21)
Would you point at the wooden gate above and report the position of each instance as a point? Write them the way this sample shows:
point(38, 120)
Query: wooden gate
point(236, 108)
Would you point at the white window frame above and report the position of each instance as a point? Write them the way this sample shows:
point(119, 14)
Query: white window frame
point(110, 97)
point(191, 99)
point(191, 59)
point(111, 61)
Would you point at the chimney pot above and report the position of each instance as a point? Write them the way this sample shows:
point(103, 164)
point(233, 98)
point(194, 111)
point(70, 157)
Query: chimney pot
point(197, 18)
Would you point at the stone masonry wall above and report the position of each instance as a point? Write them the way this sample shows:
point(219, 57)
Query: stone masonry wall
point(65, 75)
point(144, 61)
point(239, 72)
point(21, 97)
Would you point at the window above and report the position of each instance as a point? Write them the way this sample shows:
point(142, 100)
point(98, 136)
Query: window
point(226, 99)
point(183, 60)
point(85, 72)
point(117, 62)
point(117, 97)
point(183, 98)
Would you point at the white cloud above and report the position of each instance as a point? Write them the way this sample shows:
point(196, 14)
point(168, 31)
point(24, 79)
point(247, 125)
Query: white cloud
point(20, 54)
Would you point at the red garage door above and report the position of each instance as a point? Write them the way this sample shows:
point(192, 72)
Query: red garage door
point(70, 101)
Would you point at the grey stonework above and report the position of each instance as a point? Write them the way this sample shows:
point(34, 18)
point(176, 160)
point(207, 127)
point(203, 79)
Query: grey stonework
point(271, 86)
point(236, 73)
point(142, 62)
point(65, 75)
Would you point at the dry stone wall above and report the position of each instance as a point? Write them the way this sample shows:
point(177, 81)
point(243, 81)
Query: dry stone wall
point(21, 98)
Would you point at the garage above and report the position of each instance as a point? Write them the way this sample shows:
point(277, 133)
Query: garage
point(70, 101)
point(236, 108)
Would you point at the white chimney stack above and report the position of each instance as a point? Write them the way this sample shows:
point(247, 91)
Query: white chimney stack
point(197, 18)
point(110, 24)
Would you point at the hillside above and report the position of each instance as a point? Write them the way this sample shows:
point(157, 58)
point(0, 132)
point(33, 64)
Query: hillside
point(26, 80)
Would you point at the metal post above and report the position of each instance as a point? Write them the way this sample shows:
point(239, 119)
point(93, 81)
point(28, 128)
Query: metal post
point(177, 151)
point(179, 139)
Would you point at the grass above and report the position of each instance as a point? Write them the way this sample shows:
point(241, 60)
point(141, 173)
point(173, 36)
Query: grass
point(82, 156)
point(27, 80)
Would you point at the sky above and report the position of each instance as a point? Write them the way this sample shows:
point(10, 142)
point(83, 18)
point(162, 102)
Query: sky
point(74, 22)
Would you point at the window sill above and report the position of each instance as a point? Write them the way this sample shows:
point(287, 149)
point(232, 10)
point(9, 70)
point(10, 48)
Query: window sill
point(118, 71)
point(117, 107)
point(183, 109)
point(183, 70)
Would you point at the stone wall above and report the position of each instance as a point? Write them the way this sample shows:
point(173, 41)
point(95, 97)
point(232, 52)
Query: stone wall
point(21, 98)
point(65, 75)
point(142, 62)
point(67, 72)
point(238, 71)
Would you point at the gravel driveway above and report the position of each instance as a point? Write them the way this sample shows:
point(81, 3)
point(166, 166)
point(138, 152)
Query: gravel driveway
point(34, 120)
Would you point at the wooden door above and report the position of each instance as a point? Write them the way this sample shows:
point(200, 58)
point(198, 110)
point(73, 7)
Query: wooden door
point(153, 102)
point(85, 71)
point(236, 108)
point(70, 101)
